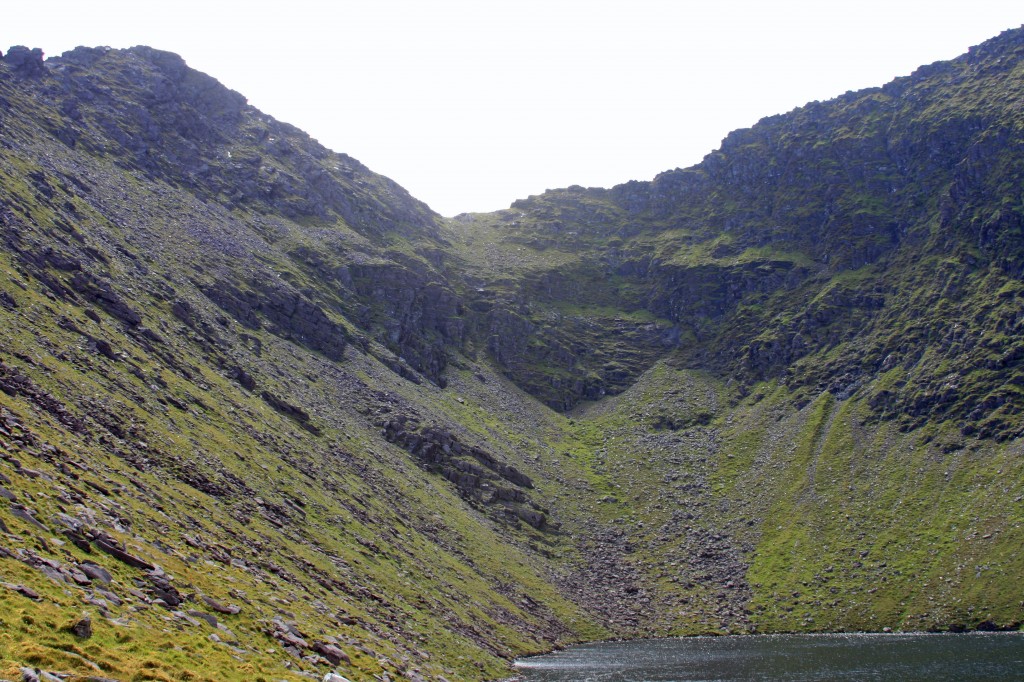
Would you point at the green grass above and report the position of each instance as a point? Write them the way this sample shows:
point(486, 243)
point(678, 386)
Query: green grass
point(791, 380)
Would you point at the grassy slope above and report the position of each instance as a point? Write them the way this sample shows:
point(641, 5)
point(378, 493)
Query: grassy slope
point(851, 482)
point(338, 531)
point(691, 502)
point(431, 563)
point(837, 524)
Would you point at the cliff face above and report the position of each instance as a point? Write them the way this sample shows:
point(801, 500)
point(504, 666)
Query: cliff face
point(253, 390)
point(815, 231)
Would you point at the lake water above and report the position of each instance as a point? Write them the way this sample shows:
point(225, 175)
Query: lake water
point(904, 657)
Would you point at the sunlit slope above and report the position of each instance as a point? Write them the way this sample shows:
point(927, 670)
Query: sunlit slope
point(194, 404)
point(265, 415)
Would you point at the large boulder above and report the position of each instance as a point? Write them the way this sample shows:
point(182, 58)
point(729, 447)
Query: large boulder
point(25, 62)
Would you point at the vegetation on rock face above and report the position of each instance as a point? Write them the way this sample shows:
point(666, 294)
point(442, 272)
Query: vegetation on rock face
point(831, 232)
point(265, 415)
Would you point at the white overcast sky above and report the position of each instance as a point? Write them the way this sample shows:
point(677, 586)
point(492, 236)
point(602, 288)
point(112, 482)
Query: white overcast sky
point(471, 104)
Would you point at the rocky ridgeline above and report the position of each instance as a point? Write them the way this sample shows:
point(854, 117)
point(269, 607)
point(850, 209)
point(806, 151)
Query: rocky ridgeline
point(192, 130)
point(477, 474)
point(25, 62)
point(203, 309)
point(729, 283)
point(193, 133)
point(804, 233)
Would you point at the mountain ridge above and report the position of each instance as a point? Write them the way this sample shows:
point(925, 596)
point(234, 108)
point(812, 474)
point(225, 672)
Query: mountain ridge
point(264, 410)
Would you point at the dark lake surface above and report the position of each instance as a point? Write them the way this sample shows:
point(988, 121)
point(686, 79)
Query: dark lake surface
point(972, 656)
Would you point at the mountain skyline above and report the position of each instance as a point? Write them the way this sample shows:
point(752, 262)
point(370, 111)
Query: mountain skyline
point(471, 107)
point(265, 415)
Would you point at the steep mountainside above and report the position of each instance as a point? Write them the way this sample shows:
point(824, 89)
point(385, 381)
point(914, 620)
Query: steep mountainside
point(263, 415)
point(828, 246)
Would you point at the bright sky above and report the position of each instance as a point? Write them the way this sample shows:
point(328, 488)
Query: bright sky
point(471, 104)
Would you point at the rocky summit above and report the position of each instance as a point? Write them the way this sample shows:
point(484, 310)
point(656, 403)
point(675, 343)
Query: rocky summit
point(266, 416)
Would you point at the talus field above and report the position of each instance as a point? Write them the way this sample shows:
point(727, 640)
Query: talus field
point(266, 416)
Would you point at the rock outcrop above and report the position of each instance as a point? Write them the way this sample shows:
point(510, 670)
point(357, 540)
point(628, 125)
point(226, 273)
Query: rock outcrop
point(258, 403)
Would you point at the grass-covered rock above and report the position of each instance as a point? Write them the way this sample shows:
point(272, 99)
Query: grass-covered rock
point(263, 415)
